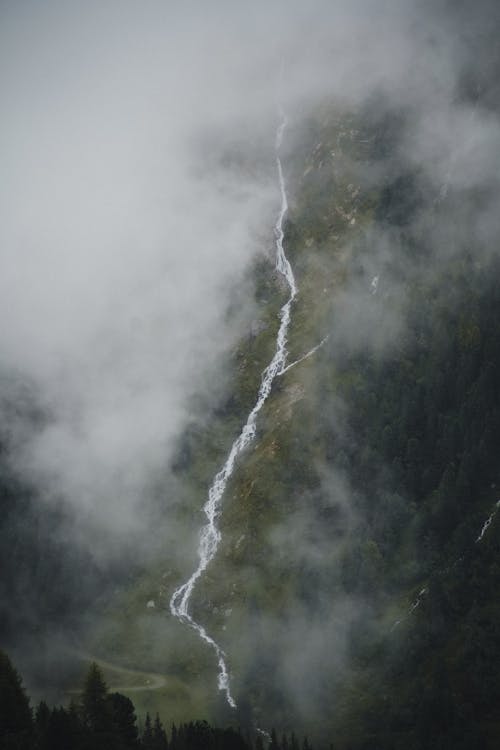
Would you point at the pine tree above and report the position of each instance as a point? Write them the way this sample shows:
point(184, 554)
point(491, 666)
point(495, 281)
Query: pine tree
point(173, 738)
point(274, 744)
point(61, 731)
point(181, 738)
point(124, 720)
point(16, 721)
point(147, 734)
point(95, 707)
point(42, 720)
point(159, 735)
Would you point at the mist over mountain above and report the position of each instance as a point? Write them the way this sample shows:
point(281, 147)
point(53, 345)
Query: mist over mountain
point(353, 587)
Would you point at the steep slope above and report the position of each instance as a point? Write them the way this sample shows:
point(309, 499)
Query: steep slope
point(351, 591)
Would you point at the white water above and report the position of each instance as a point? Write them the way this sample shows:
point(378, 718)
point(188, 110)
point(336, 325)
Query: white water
point(306, 356)
point(488, 521)
point(413, 607)
point(210, 535)
point(425, 591)
point(417, 601)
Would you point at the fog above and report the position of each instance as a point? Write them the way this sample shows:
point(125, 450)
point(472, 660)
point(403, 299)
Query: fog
point(120, 252)
point(124, 233)
point(137, 187)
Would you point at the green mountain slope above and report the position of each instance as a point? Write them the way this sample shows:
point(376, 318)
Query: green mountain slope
point(349, 591)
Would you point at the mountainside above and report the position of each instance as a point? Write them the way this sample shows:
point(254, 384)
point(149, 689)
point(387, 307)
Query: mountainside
point(353, 591)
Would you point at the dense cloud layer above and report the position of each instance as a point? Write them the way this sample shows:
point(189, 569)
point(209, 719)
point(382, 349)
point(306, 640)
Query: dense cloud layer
point(120, 250)
point(123, 233)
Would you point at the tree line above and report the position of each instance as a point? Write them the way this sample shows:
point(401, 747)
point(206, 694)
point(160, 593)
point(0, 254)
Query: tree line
point(103, 720)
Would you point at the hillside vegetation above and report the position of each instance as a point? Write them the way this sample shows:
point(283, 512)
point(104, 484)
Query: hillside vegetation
point(351, 591)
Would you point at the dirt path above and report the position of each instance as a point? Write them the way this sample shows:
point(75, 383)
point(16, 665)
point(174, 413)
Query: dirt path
point(152, 680)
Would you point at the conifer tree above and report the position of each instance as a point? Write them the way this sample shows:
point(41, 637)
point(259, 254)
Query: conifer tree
point(16, 721)
point(173, 738)
point(42, 720)
point(61, 731)
point(95, 707)
point(274, 744)
point(160, 741)
point(147, 734)
point(182, 737)
point(124, 721)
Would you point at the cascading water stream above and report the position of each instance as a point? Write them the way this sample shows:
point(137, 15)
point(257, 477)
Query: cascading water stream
point(210, 535)
point(425, 591)
point(488, 522)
